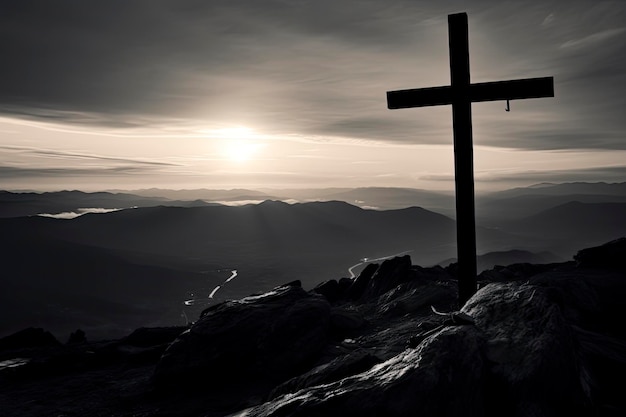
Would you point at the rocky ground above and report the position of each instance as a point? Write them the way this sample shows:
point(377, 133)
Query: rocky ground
point(536, 340)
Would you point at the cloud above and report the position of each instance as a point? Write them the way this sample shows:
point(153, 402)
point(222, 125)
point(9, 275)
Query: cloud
point(8, 172)
point(316, 69)
point(548, 20)
point(591, 174)
point(67, 215)
point(83, 156)
point(594, 38)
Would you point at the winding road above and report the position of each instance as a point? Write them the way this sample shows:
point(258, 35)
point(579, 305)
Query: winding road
point(368, 260)
point(233, 275)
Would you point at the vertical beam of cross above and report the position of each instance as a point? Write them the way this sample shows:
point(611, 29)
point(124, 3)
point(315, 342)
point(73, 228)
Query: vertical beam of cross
point(460, 94)
point(463, 155)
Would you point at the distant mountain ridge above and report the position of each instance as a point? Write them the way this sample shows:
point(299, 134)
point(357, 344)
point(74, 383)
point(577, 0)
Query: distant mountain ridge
point(382, 198)
point(30, 204)
point(496, 209)
point(261, 228)
point(573, 219)
point(490, 207)
point(106, 259)
point(268, 243)
point(601, 188)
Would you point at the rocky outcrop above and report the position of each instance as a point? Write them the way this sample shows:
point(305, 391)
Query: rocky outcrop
point(261, 338)
point(77, 337)
point(153, 336)
point(532, 364)
point(609, 255)
point(341, 367)
point(519, 358)
point(535, 340)
point(33, 337)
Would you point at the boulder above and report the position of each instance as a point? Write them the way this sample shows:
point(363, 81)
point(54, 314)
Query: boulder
point(361, 282)
point(344, 366)
point(31, 337)
point(432, 379)
point(391, 273)
point(265, 337)
point(532, 356)
point(77, 338)
point(520, 358)
point(417, 299)
point(329, 289)
point(345, 321)
point(344, 285)
point(152, 336)
point(611, 255)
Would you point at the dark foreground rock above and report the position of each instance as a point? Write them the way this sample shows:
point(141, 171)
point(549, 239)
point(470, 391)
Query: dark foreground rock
point(609, 255)
point(258, 340)
point(33, 337)
point(536, 340)
point(520, 358)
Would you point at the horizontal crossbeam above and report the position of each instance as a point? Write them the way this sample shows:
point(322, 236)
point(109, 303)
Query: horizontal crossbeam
point(419, 97)
point(513, 89)
point(492, 91)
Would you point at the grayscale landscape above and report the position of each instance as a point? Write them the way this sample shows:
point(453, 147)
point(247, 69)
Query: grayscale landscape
point(298, 208)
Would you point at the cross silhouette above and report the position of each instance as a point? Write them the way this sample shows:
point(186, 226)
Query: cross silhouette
point(461, 93)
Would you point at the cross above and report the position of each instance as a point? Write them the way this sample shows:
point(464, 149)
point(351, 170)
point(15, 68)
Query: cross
point(461, 93)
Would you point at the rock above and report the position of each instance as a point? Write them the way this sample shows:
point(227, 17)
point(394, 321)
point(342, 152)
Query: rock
point(546, 340)
point(339, 368)
point(361, 282)
point(519, 358)
point(265, 337)
point(329, 289)
point(418, 299)
point(153, 336)
point(611, 255)
point(344, 285)
point(391, 273)
point(455, 318)
point(532, 363)
point(344, 321)
point(432, 379)
point(29, 338)
point(76, 338)
point(592, 300)
point(294, 283)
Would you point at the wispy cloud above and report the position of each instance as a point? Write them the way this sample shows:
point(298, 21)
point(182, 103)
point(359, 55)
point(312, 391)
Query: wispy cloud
point(591, 174)
point(548, 20)
point(7, 172)
point(84, 156)
point(593, 39)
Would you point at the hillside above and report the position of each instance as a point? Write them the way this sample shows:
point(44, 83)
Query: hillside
point(538, 338)
point(575, 224)
point(496, 209)
point(300, 230)
point(178, 251)
point(63, 286)
point(104, 260)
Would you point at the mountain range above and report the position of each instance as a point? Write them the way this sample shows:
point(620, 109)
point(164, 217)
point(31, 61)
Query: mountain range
point(14, 204)
point(97, 270)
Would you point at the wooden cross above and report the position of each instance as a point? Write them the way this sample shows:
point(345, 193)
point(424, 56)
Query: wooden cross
point(461, 94)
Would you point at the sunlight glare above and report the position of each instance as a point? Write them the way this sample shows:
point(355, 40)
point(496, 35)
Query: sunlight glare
point(238, 144)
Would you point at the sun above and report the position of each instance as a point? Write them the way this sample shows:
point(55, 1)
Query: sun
point(238, 144)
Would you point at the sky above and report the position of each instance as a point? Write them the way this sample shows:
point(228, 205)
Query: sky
point(119, 94)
